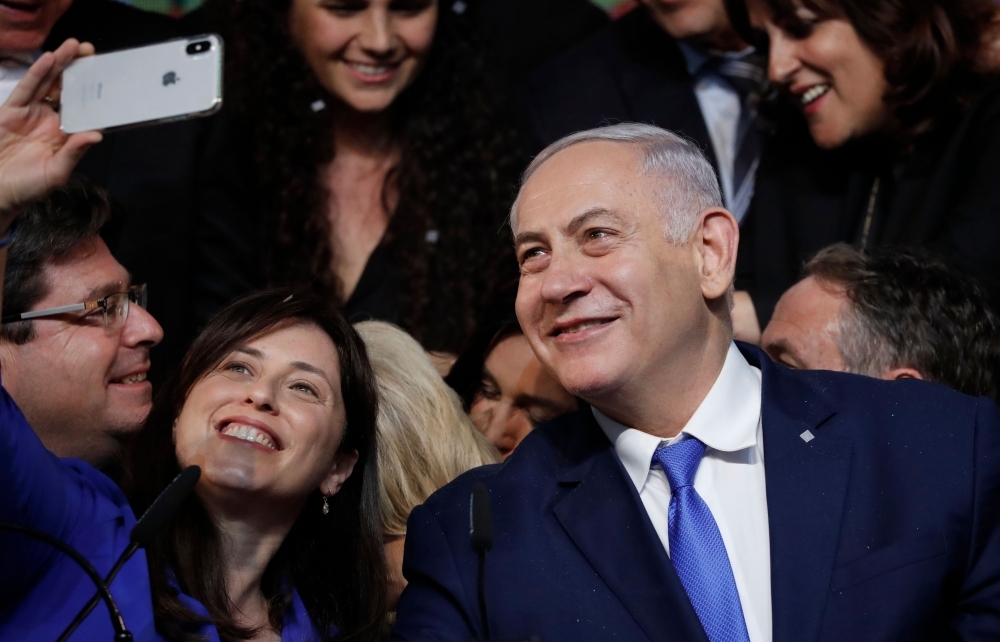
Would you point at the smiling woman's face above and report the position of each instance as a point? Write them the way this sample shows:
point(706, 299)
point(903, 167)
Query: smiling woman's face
point(364, 52)
point(267, 421)
point(836, 79)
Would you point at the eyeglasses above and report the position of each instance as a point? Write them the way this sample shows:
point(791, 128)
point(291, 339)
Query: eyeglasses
point(114, 308)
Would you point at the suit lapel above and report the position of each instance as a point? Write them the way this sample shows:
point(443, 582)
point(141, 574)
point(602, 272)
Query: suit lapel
point(806, 489)
point(604, 517)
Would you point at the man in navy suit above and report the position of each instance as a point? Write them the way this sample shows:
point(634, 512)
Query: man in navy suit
point(706, 493)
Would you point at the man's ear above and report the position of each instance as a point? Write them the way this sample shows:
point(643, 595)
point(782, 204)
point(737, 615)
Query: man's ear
point(716, 240)
point(343, 466)
point(903, 372)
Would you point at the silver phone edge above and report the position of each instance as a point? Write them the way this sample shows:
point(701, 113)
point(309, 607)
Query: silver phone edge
point(214, 109)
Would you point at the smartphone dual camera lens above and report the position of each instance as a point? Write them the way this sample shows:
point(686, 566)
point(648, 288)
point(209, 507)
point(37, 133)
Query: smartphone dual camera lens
point(198, 47)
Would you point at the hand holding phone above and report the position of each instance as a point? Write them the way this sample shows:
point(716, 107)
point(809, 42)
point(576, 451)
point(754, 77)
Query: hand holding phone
point(167, 81)
point(36, 156)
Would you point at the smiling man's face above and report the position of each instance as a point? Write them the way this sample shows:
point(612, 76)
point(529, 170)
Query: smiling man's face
point(81, 385)
point(25, 24)
point(605, 300)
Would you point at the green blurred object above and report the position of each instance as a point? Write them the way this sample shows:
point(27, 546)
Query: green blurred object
point(169, 7)
point(608, 5)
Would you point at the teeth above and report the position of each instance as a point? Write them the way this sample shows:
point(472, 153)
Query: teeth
point(249, 433)
point(814, 93)
point(580, 327)
point(371, 70)
point(134, 378)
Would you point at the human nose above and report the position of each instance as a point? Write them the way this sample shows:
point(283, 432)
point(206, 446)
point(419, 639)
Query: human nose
point(516, 427)
point(261, 395)
point(498, 430)
point(376, 36)
point(783, 60)
point(141, 329)
point(564, 279)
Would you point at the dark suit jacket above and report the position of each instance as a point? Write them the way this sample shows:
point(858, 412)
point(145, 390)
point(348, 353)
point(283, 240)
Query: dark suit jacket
point(883, 527)
point(518, 36)
point(630, 71)
point(944, 194)
point(798, 208)
point(162, 180)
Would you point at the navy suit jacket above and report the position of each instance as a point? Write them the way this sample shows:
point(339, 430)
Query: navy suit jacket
point(882, 527)
point(630, 71)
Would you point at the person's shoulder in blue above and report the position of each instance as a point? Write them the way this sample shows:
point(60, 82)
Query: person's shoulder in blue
point(265, 423)
point(42, 589)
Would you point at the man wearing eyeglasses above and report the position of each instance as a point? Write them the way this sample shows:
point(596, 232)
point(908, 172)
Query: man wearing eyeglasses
point(75, 335)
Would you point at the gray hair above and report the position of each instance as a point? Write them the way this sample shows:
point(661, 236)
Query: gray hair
point(690, 184)
point(907, 308)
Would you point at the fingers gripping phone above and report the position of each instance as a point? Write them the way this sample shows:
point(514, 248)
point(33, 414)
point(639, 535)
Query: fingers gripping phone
point(172, 80)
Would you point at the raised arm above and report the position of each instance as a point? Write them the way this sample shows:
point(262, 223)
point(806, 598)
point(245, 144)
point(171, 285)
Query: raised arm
point(35, 157)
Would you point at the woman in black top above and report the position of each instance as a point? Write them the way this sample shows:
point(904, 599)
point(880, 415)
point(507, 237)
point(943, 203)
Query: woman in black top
point(386, 173)
point(902, 91)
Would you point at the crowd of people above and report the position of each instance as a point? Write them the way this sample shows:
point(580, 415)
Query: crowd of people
point(610, 269)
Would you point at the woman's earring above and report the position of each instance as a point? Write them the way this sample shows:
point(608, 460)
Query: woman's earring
point(326, 505)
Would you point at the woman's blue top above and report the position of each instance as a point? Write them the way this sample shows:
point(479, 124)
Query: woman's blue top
point(41, 590)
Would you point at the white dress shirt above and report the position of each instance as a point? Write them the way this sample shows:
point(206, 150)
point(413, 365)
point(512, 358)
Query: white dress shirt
point(720, 107)
point(730, 479)
point(13, 67)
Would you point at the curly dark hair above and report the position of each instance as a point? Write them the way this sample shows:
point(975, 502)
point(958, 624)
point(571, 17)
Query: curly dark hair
point(457, 174)
point(335, 562)
point(930, 48)
point(910, 308)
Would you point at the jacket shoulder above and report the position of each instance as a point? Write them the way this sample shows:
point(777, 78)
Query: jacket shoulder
point(860, 401)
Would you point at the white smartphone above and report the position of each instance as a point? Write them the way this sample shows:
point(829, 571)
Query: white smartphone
point(171, 80)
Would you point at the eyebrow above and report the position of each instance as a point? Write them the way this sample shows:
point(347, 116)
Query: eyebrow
point(109, 288)
point(298, 365)
point(308, 367)
point(528, 237)
point(591, 215)
point(250, 352)
point(525, 401)
point(574, 226)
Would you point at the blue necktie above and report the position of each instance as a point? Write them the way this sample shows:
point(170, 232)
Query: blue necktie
point(696, 547)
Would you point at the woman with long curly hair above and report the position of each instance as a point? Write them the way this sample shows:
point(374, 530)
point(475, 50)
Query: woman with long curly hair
point(905, 90)
point(385, 167)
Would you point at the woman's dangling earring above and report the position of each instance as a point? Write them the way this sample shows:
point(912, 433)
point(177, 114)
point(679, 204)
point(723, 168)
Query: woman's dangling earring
point(326, 505)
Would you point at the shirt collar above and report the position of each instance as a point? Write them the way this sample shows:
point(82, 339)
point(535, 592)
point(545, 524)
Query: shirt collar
point(695, 57)
point(726, 420)
point(19, 58)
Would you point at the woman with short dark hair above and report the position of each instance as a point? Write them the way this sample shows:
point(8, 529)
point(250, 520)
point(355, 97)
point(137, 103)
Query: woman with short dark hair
point(900, 87)
point(285, 437)
point(276, 403)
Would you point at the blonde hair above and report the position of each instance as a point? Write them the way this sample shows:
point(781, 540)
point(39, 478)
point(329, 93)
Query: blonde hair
point(425, 439)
